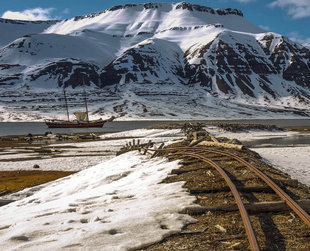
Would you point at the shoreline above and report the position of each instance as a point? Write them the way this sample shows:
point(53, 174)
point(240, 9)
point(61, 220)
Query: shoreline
point(39, 128)
point(56, 145)
point(66, 153)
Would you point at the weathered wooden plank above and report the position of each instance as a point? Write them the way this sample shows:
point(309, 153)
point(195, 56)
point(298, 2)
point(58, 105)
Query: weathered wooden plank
point(5, 202)
point(156, 152)
point(224, 145)
point(259, 207)
point(257, 189)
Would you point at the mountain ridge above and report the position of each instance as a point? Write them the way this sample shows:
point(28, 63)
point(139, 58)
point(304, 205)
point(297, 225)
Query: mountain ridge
point(140, 52)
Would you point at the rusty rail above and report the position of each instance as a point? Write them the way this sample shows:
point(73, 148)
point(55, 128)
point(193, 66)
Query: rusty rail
point(244, 214)
point(284, 196)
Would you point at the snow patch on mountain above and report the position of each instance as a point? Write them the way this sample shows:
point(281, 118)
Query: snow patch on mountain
point(13, 29)
point(36, 49)
point(139, 59)
point(151, 18)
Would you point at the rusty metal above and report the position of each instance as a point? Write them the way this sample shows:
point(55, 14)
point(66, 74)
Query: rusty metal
point(244, 215)
point(284, 196)
point(289, 201)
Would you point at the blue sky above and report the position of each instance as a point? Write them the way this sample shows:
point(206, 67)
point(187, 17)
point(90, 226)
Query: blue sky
point(288, 17)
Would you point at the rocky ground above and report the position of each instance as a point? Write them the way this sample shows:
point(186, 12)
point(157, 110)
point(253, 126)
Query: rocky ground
point(224, 230)
point(39, 147)
point(213, 230)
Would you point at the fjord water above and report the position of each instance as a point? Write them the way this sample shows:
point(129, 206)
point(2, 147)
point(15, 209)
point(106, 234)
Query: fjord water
point(22, 128)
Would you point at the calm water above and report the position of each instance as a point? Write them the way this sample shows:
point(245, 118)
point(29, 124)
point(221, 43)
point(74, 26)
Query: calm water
point(296, 140)
point(22, 128)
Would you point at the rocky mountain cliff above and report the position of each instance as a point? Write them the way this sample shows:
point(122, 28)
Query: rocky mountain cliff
point(195, 61)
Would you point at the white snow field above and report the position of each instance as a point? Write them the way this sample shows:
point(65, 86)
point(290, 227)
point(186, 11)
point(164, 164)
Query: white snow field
point(120, 203)
point(80, 156)
point(116, 205)
point(294, 161)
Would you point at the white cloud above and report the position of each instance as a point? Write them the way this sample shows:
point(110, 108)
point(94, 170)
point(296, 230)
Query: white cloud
point(30, 14)
point(295, 8)
point(264, 27)
point(296, 37)
point(65, 11)
point(245, 1)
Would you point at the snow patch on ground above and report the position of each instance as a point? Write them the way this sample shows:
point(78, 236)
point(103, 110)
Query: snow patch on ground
point(116, 205)
point(291, 160)
point(120, 203)
point(55, 164)
point(249, 134)
point(80, 156)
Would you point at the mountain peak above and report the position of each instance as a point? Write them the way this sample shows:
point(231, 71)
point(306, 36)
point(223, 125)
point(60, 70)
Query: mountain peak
point(201, 8)
point(143, 55)
point(158, 5)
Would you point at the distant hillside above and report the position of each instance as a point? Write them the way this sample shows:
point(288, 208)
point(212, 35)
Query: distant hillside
point(155, 60)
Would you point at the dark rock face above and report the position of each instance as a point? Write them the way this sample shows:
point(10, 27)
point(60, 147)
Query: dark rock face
point(294, 61)
point(196, 7)
point(232, 65)
point(144, 64)
point(22, 22)
point(182, 5)
point(68, 72)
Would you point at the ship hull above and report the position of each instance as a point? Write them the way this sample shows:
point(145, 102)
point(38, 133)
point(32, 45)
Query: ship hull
point(68, 124)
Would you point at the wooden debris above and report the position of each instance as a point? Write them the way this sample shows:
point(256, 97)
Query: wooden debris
point(235, 245)
point(5, 192)
point(147, 146)
point(195, 232)
point(222, 229)
point(259, 207)
point(227, 189)
point(5, 202)
point(286, 182)
point(156, 152)
point(218, 144)
point(196, 142)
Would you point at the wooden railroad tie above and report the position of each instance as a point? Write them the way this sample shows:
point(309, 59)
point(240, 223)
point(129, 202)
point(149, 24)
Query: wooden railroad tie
point(258, 207)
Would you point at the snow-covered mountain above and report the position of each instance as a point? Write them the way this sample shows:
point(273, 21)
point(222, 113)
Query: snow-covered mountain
point(159, 60)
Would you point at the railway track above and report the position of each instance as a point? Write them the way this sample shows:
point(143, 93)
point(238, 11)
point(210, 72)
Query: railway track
point(232, 175)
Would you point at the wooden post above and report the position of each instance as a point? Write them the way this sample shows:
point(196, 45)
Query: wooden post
point(213, 138)
point(156, 152)
point(138, 145)
point(147, 146)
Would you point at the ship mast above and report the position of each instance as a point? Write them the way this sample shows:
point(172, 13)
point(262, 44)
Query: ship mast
point(85, 100)
point(66, 104)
